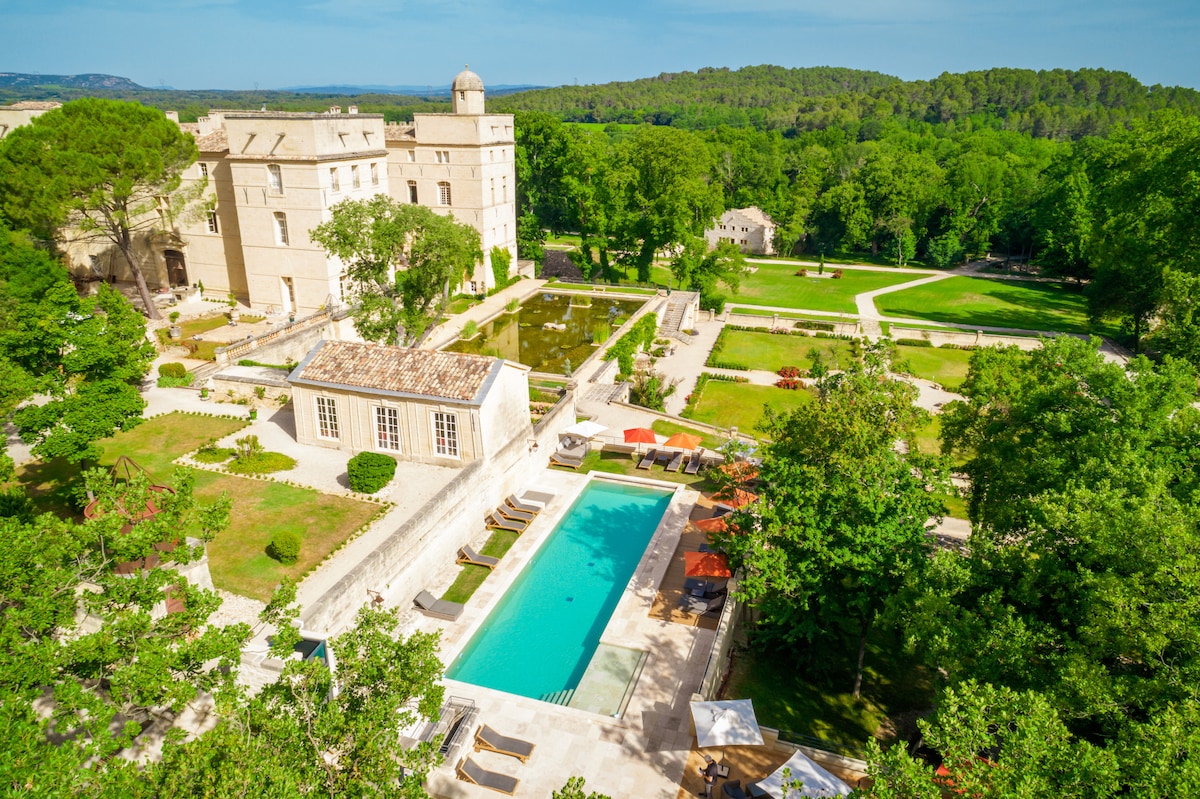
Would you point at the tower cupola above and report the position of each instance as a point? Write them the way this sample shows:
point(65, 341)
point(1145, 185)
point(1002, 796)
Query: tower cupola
point(467, 93)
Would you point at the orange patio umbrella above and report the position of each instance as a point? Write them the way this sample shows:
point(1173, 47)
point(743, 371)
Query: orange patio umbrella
point(740, 470)
point(705, 564)
point(735, 497)
point(683, 441)
point(714, 525)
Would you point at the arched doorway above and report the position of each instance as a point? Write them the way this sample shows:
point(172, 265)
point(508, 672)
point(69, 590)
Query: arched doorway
point(176, 268)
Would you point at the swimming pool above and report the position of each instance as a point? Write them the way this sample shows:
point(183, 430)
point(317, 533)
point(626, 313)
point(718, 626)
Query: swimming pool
point(539, 639)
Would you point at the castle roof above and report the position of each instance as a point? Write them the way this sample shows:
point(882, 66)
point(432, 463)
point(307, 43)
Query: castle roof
point(467, 81)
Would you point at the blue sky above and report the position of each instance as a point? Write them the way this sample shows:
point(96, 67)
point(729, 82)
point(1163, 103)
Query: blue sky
point(238, 44)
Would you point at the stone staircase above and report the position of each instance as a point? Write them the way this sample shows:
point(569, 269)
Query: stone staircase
point(673, 317)
point(559, 697)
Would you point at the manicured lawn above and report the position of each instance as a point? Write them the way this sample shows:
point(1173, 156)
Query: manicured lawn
point(460, 304)
point(471, 576)
point(668, 429)
point(777, 284)
point(771, 351)
point(945, 367)
point(740, 405)
point(1017, 304)
point(153, 445)
point(801, 703)
point(237, 556)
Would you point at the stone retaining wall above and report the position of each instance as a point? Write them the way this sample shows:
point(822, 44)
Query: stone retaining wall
point(784, 323)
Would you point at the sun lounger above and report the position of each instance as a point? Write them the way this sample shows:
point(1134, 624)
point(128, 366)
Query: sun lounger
point(437, 608)
point(675, 463)
point(516, 504)
point(693, 465)
point(563, 459)
point(733, 789)
point(510, 513)
point(648, 461)
point(472, 772)
point(497, 522)
point(539, 498)
point(487, 739)
point(698, 606)
point(468, 555)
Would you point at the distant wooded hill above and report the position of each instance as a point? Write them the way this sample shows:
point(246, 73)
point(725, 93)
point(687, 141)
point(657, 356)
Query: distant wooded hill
point(24, 81)
point(1056, 103)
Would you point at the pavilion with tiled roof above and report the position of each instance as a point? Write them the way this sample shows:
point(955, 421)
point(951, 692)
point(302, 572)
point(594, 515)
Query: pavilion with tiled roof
point(413, 404)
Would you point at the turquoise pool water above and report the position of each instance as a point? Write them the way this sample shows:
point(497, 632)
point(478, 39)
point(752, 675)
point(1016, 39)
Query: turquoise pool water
point(540, 637)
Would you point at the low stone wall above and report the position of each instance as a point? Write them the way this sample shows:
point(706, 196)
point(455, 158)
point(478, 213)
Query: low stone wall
point(430, 538)
point(718, 657)
point(784, 323)
point(232, 386)
point(969, 339)
point(289, 343)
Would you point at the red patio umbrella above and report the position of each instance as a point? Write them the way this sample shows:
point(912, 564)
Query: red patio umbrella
point(705, 564)
point(740, 470)
point(640, 435)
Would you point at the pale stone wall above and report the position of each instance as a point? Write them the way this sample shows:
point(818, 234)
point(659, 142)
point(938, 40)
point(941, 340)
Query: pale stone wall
point(215, 258)
point(749, 233)
point(504, 415)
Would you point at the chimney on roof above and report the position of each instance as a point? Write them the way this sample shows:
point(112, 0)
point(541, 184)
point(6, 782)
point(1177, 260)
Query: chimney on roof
point(335, 109)
point(353, 110)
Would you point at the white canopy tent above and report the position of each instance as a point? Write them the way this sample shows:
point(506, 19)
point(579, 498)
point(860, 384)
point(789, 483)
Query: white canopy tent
point(726, 722)
point(815, 781)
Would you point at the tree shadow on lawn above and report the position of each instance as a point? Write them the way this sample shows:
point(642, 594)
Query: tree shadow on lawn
point(806, 690)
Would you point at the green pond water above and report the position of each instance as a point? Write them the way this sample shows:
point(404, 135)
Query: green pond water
point(522, 337)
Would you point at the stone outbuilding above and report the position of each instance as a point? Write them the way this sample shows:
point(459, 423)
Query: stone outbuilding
point(426, 406)
point(749, 228)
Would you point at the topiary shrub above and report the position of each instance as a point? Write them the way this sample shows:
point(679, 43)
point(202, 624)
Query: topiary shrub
point(285, 546)
point(175, 370)
point(370, 471)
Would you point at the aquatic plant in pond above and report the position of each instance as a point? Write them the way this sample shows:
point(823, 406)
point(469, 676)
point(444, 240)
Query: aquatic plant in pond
point(523, 336)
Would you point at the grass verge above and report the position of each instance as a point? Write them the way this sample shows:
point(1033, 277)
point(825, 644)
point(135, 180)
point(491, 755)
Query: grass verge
point(471, 576)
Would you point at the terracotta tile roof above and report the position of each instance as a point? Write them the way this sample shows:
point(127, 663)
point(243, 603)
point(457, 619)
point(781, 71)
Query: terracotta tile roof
point(394, 132)
point(397, 370)
point(215, 142)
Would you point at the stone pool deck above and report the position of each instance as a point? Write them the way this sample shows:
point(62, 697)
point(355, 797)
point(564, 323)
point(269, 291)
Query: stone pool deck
point(644, 752)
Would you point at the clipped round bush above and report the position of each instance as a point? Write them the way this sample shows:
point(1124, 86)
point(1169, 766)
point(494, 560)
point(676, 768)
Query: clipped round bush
point(370, 471)
point(284, 546)
point(261, 463)
point(173, 369)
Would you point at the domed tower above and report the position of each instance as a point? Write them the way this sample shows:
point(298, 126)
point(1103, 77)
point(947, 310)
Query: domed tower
point(467, 93)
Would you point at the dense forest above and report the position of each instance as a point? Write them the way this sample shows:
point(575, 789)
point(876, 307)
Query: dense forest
point(1058, 103)
point(1106, 196)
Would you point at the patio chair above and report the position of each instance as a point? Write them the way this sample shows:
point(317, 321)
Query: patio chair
point(698, 606)
point(733, 789)
point(468, 555)
point(564, 459)
point(487, 739)
point(437, 608)
point(648, 460)
point(511, 513)
point(528, 507)
point(472, 772)
point(495, 521)
point(693, 465)
point(676, 462)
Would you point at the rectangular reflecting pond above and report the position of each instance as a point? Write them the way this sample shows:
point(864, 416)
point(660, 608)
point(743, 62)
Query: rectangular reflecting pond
point(525, 337)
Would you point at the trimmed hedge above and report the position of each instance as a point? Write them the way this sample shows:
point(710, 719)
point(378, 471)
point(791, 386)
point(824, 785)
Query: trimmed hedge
point(173, 369)
point(285, 546)
point(370, 471)
point(914, 342)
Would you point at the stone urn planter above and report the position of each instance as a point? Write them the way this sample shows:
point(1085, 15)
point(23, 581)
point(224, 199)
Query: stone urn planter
point(175, 332)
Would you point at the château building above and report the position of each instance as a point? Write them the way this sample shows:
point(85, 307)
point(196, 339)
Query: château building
point(273, 176)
